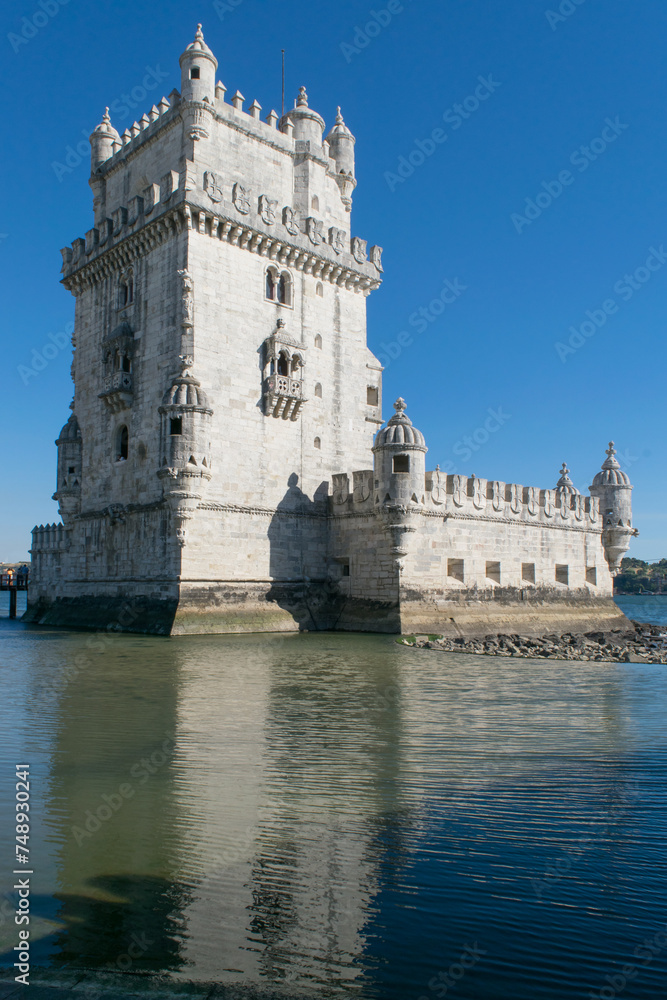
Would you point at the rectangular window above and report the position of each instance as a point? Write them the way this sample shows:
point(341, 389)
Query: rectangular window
point(372, 395)
point(194, 73)
point(528, 572)
point(401, 463)
point(592, 575)
point(493, 572)
point(562, 573)
point(455, 569)
point(176, 425)
point(344, 566)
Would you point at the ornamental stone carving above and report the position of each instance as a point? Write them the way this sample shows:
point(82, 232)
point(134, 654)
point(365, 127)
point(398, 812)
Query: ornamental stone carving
point(359, 249)
point(290, 221)
point(241, 198)
point(213, 185)
point(337, 239)
point(267, 209)
point(315, 230)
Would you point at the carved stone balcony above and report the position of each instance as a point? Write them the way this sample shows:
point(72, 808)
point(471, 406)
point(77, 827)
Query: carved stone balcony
point(118, 391)
point(283, 396)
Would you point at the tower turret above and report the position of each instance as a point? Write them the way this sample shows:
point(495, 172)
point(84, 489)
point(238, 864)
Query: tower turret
point(614, 490)
point(102, 142)
point(185, 447)
point(399, 460)
point(308, 125)
point(341, 147)
point(68, 486)
point(198, 66)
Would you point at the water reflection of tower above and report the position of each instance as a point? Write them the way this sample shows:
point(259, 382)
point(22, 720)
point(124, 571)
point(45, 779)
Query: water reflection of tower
point(305, 745)
point(113, 808)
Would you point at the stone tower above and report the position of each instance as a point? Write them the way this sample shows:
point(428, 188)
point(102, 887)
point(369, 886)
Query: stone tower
point(221, 369)
point(225, 467)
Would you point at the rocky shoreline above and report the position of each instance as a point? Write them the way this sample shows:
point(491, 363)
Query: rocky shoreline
point(643, 644)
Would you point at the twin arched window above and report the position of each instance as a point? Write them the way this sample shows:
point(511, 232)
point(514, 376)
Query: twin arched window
point(278, 286)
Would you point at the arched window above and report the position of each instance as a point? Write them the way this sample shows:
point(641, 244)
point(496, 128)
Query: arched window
point(125, 364)
point(283, 363)
point(317, 443)
point(315, 203)
point(122, 443)
point(271, 285)
point(318, 341)
point(318, 390)
point(285, 289)
point(319, 290)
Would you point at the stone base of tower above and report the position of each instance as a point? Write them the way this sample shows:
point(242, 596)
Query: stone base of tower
point(539, 614)
point(218, 607)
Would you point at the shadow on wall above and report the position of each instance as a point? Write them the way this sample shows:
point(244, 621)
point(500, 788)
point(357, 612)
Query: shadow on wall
point(298, 559)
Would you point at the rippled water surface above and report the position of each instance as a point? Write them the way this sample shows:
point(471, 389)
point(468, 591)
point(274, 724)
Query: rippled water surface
point(336, 815)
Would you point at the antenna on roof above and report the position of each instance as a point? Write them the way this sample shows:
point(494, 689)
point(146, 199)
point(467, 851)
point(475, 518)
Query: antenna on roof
point(282, 111)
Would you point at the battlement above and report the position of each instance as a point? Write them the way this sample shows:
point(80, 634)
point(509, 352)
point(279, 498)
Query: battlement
point(48, 538)
point(473, 497)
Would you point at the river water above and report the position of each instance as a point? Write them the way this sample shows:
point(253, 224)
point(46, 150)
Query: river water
point(335, 815)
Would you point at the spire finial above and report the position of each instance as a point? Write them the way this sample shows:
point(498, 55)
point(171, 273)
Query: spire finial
point(199, 35)
point(564, 469)
point(611, 451)
point(339, 116)
point(105, 117)
point(400, 405)
point(302, 100)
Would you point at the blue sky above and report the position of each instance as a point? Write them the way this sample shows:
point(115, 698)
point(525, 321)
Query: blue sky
point(541, 200)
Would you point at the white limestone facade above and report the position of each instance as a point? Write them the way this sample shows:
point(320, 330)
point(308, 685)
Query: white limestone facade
point(225, 467)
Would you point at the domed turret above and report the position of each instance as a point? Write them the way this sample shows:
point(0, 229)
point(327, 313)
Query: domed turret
point(341, 147)
point(68, 485)
point(308, 125)
point(565, 484)
point(185, 448)
point(614, 490)
point(102, 141)
point(198, 66)
point(399, 463)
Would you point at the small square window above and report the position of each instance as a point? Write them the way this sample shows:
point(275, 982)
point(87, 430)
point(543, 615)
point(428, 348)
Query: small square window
point(493, 572)
point(562, 573)
point(194, 73)
point(176, 425)
point(401, 463)
point(71, 469)
point(455, 569)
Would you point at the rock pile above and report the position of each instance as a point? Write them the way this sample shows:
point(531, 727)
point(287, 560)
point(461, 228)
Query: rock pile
point(644, 644)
